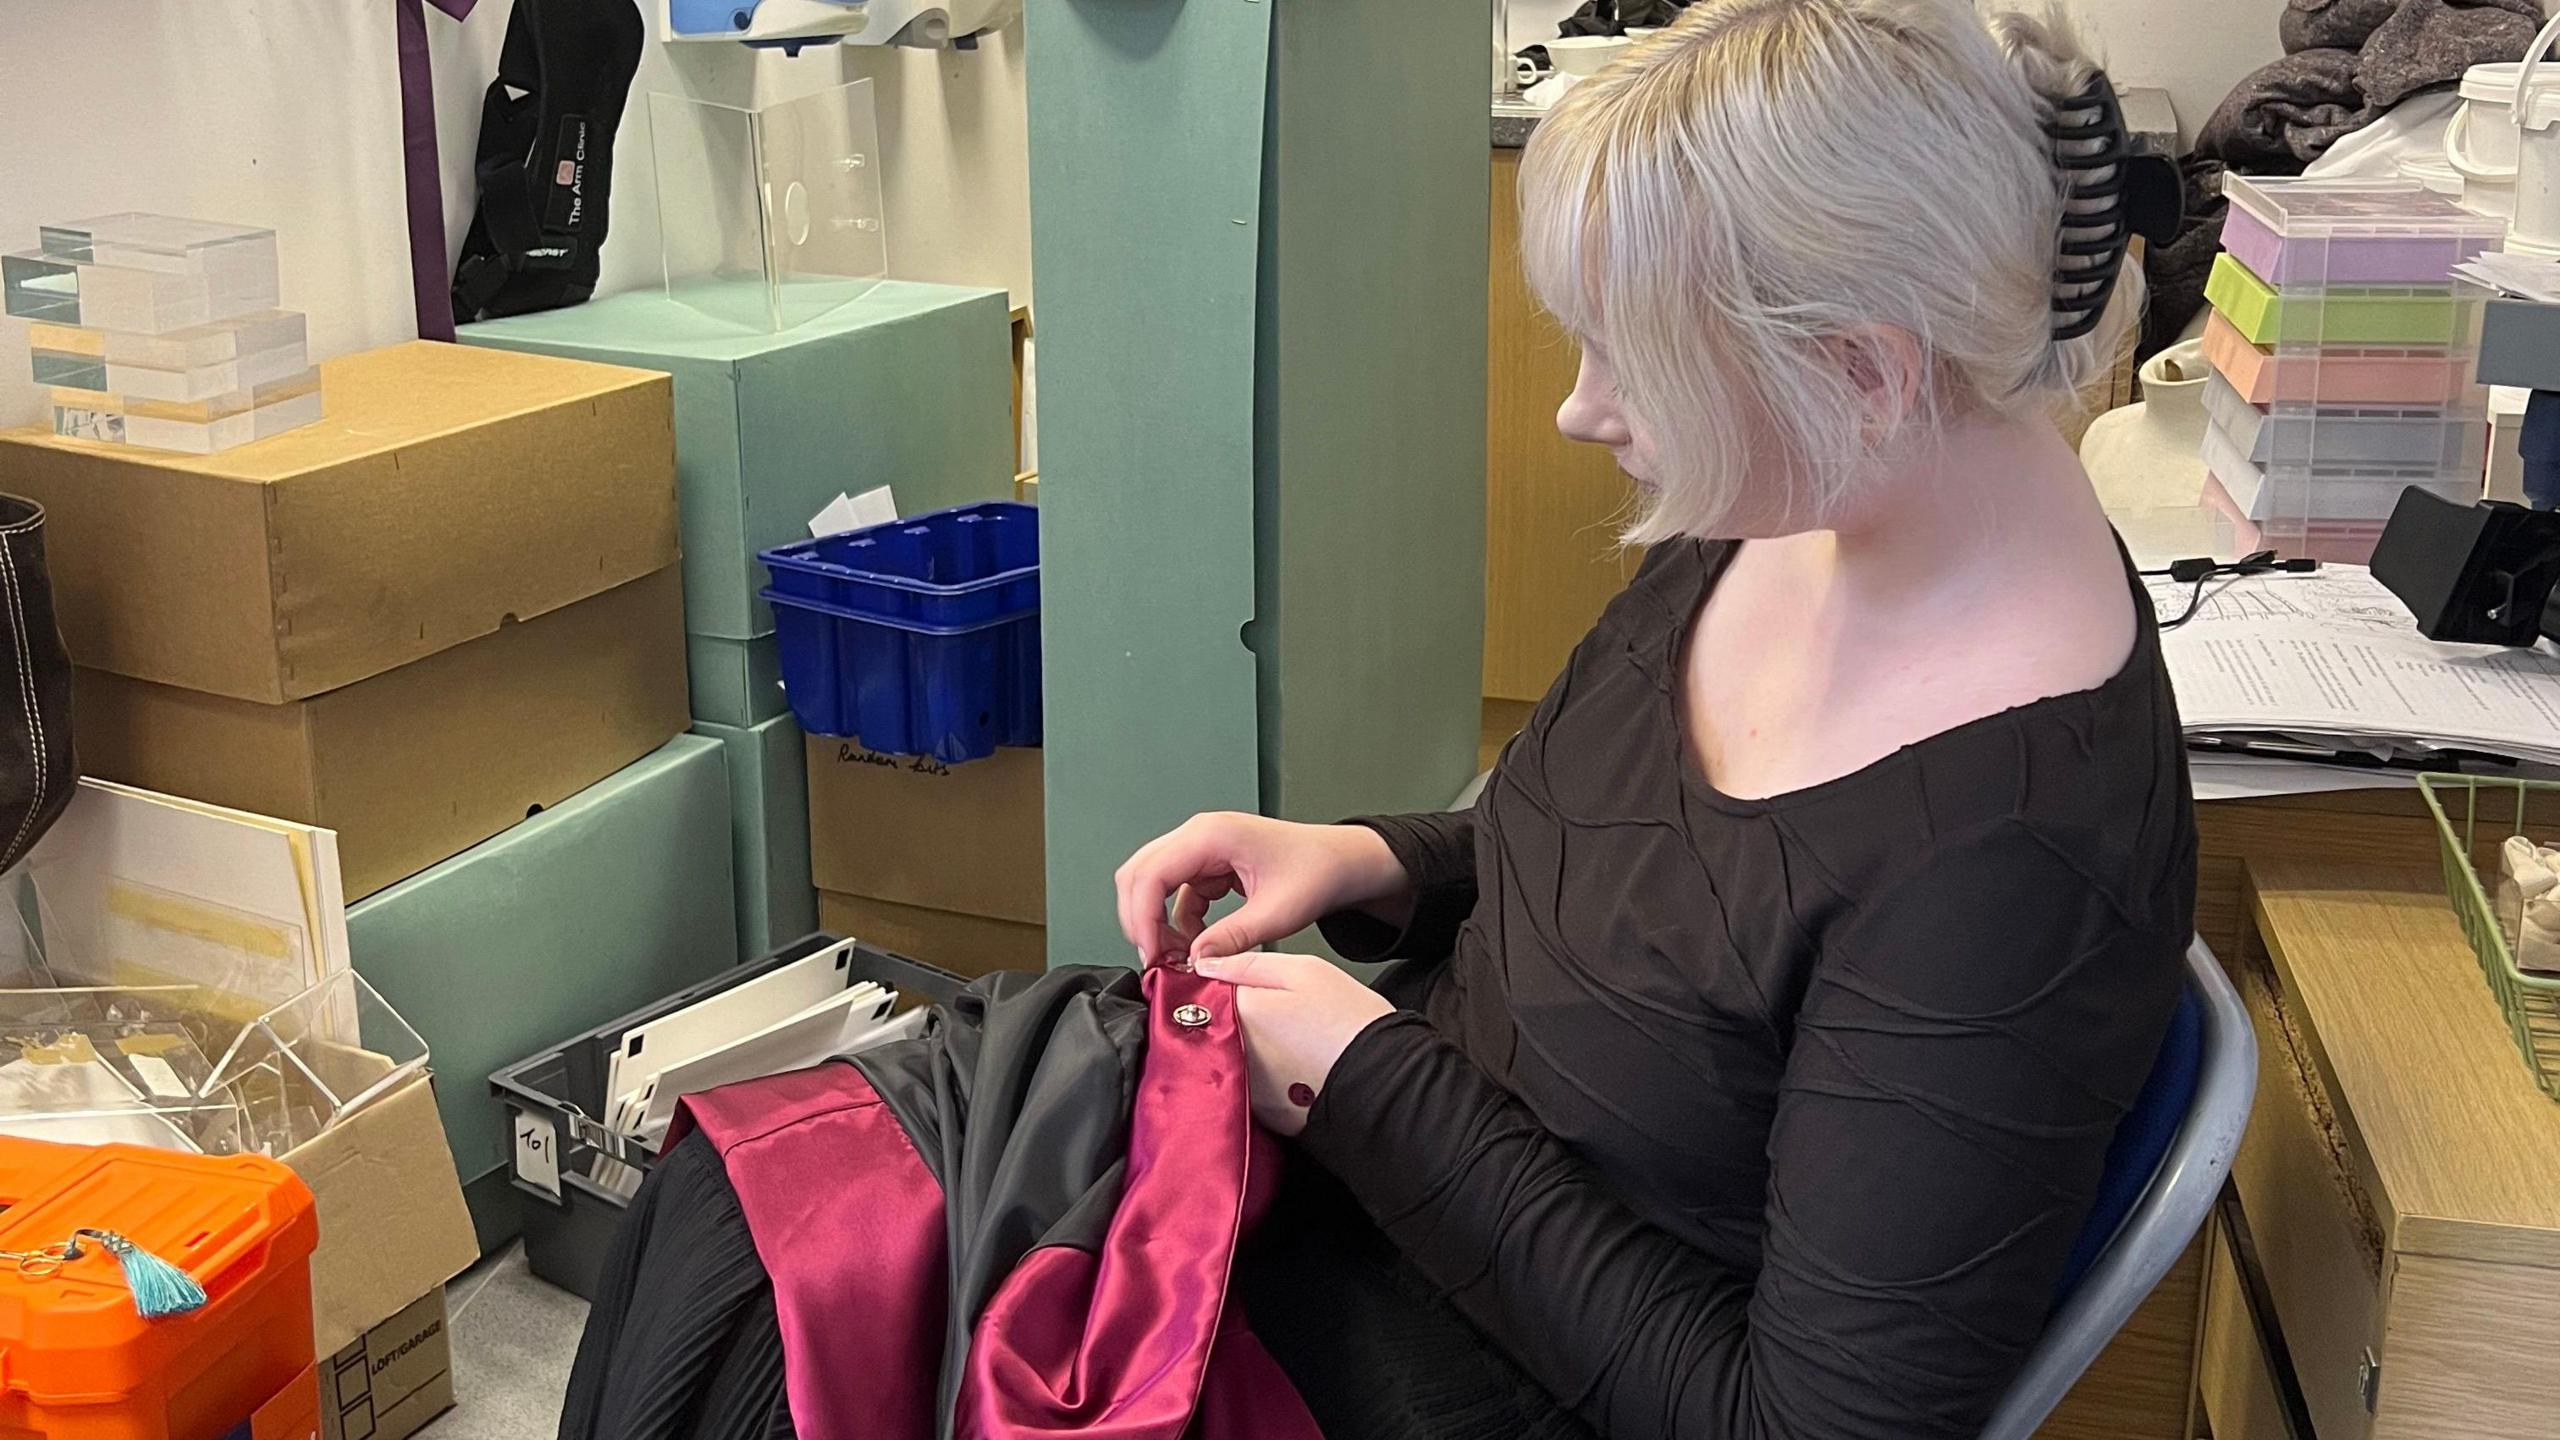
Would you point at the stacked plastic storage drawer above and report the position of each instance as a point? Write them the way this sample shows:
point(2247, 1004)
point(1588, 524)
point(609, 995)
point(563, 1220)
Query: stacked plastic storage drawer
point(2344, 353)
point(162, 332)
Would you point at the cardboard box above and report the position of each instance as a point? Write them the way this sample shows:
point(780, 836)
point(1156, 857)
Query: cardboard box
point(390, 1381)
point(392, 1223)
point(417, 764)
point(589, 910)
point(910, 385)
point(737, 683)
point(393, 1230)
point(768, 832)
point(912, 831)
point(447, 492)
point(969, 945)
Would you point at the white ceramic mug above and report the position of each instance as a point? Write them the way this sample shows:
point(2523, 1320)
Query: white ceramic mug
point(1582, 55)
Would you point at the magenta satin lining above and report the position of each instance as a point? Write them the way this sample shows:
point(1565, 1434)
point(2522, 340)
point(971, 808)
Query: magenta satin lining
point(848, 1222)
point(1135, 1342)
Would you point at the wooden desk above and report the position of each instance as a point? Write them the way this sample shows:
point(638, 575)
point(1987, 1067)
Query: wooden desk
point(2399, 1187)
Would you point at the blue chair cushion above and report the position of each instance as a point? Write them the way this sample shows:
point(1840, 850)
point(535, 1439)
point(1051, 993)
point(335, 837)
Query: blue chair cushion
point(2143, 1136)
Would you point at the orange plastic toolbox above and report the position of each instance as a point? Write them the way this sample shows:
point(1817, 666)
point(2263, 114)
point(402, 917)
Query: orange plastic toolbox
point(77, 1362)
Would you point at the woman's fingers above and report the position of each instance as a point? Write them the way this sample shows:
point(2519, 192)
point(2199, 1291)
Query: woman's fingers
point(1189, 854)
point(1191, 904)
point(1253, 970)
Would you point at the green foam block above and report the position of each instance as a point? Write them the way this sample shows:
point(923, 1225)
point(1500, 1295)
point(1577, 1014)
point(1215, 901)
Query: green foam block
point(735, 682)
point(910, 386)
point(586, 911)
point(768, 832)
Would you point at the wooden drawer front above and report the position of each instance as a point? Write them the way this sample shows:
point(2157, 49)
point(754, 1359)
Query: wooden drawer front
point(2318, 1245)
point(2469, 1355)
point(2235, 1378)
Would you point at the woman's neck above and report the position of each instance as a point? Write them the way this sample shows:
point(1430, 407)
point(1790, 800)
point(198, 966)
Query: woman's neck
point(1987, 502)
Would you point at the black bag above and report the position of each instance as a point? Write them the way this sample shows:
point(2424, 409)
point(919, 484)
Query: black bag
point(38, 768)
point(545, 161)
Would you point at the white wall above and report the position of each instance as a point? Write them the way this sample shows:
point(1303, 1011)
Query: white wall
point(2194, 49)
point(287, 113)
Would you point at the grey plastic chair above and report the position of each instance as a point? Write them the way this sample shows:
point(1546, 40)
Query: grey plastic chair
point(2171, 1210)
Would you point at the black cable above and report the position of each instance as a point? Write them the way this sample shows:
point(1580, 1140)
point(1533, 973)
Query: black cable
point(2202, 571)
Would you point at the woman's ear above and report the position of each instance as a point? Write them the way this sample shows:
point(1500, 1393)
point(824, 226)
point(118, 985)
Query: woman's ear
point(1881, 365)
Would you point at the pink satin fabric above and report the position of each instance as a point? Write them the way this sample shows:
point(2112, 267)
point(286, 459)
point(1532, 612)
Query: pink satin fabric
point(849, 1224)
point(1138, 1342)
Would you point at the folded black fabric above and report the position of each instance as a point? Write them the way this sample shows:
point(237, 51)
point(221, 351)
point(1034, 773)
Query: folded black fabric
point(1616, 17)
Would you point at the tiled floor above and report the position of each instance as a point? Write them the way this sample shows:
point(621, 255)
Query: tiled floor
point(513, 1336)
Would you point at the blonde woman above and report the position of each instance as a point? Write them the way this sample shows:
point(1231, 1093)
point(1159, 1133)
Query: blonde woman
point(1765, 1026)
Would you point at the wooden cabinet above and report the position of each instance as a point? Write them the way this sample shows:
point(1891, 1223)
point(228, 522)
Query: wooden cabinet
point(2400, 1180)
point(1552, 508)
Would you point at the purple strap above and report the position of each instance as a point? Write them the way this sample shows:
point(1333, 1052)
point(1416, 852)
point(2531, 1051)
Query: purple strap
point(424, 177)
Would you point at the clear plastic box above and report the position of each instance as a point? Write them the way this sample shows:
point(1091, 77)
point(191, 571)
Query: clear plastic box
point(148, 273)
point(177, 1067)
point(2346, 355)
point(770, 218)
point(202, 363)
point(195, 427)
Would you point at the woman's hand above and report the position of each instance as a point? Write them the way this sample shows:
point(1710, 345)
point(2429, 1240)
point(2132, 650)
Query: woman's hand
point(1290, 876)
point(1299, 1014)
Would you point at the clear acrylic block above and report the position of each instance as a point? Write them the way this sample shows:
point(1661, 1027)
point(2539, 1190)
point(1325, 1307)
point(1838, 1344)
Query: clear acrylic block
point(770, 218)
point(195, 364)
point(149, 273)
point(198, 427)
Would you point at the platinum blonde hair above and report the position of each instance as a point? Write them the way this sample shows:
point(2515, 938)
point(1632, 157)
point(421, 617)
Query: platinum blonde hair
point(1739, 208)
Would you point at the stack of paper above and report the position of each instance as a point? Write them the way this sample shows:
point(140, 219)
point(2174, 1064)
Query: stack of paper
point(2331, 666)
point(786, 1019)
point(151, 934)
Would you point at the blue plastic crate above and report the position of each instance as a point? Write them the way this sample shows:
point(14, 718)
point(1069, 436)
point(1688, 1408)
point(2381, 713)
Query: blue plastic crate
point(919, 637)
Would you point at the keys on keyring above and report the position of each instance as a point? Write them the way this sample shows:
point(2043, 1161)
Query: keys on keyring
point(37, 1264)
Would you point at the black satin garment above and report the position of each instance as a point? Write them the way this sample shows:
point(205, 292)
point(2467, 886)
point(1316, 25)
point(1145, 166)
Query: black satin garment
point(1729, 1118)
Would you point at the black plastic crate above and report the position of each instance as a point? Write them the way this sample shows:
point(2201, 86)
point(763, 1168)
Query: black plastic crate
point(553, 1100)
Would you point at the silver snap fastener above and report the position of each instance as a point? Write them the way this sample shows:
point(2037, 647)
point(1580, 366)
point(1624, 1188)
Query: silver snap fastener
point(1191, 1017)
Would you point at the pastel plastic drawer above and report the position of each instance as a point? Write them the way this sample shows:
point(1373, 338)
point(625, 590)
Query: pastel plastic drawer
point(2344, 493)
point(2322, 233)
point(2296, 437)
point(2371, 376)
point(2410, 316)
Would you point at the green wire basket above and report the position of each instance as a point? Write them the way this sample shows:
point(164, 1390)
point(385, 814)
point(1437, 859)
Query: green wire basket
point(2532, 1002)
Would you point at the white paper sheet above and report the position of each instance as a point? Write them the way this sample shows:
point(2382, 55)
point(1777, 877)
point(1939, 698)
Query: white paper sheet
point(649, 1050)
point(875, 506)
point(2334, 657)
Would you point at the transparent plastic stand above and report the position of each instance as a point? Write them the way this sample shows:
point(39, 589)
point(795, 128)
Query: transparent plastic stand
point(770, 218)
point(294, 1072)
